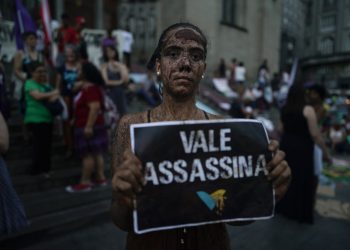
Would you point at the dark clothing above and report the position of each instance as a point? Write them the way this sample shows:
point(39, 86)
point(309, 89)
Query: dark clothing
point(42, 141)
point(12, 215)
point(236, 110)
point(298, 145)
point(208, 237)
point(4, 107)
point(127, 59)
point(27, 62)
point(97, 144)
point(117, 92)
point(69, 77)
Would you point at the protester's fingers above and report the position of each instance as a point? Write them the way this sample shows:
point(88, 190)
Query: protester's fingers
point(273, 145)
point(277, 171)
point(135, 167)
point(127, 175)
point(277, 159)
point(131, 158)
point(123, 187)
point(283, 179)
point(282, 184)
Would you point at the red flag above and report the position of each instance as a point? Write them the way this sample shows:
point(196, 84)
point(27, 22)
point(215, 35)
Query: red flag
point(46, 20)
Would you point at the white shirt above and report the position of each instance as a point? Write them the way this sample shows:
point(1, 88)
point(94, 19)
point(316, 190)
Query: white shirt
point(128, 40)
point(240, 73)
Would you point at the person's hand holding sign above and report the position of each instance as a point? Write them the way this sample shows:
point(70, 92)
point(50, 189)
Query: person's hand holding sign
point(279, 171)
point(128, 178)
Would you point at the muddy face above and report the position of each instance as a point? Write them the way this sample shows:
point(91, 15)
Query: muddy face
point(182, 62)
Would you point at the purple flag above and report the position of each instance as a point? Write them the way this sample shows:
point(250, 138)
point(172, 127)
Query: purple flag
point(23, 23)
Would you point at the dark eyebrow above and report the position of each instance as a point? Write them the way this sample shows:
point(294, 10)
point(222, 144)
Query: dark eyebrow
point(197, 49)
point(173, 47)
point(180, 48)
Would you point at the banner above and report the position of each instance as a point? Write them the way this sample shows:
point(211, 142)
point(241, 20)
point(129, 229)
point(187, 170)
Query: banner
point(23, 23)
point(201, 172)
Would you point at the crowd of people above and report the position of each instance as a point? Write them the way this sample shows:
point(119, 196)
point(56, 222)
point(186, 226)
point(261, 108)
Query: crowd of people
point(313, 126)
point(72, 96)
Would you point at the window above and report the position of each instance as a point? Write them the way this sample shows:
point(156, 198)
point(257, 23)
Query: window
point(327, 45)
point(329, 5)
point(347, 43)
point(328, 23)
point(308, 18)
point(229, 12)
point(234, 13)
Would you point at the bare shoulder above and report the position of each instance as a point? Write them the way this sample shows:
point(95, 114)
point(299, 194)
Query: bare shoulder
point(308, 110)
point(125, 122)
point(19, 54)
point(129, 119)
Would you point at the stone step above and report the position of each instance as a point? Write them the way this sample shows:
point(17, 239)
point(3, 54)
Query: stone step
point(50, 221)
point(20, 166)
point(25, 150)
point(55, 200)
point(60, 178)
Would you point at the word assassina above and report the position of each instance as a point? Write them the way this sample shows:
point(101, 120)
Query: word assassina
point(210, 169)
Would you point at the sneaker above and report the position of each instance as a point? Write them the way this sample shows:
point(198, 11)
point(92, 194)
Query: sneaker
point(101, 183)
point(78, 188)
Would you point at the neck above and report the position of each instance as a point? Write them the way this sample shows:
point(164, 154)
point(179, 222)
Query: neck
point(31, 49)
point(71, 64)
point(179, 109)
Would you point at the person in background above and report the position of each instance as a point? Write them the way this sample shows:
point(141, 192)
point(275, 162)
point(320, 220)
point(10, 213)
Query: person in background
point(233, 71)
point(40, 44)
point(338, 136)
point(240, 73)
point(81, 45)
point(316, 95)
point(65, 35)
point(12, 215)
point(263, 75)
point(39, 119)
point(128, 40)
point(66, 78)
point(116, 76)
point(179, 60)
point(222, 68)
point(108, 41)
point(4, 135)
point(148, 90)
point(90, 139)
point(23, 61)
point(4, 107)
point(299, 134)
point(275, 86)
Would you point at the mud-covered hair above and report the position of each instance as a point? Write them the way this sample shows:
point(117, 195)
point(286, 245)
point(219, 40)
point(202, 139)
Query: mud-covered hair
point(156, 54)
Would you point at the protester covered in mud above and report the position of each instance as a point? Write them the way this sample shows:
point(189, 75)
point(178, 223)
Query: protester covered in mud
point(179, 60)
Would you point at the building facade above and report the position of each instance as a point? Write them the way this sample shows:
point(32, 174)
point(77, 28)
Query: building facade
point(292, 36)
point(246, 30)
point(327, 43)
